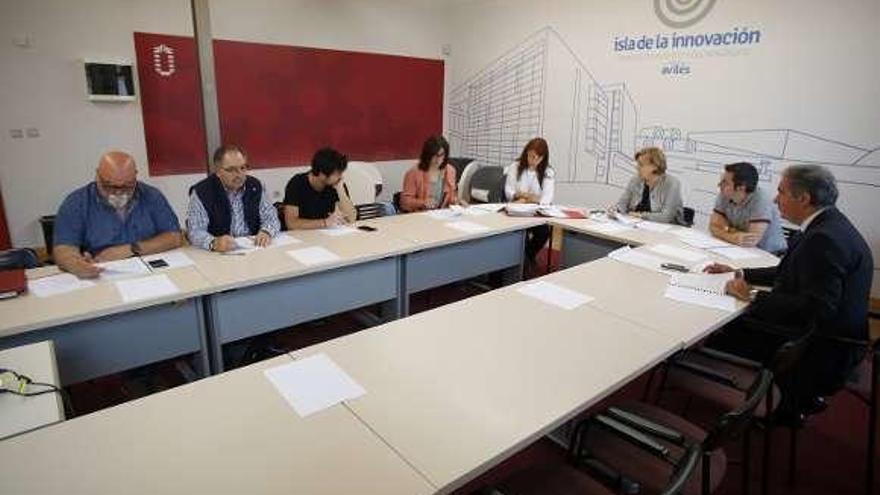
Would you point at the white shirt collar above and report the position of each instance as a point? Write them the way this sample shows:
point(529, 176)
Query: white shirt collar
point(806, 223)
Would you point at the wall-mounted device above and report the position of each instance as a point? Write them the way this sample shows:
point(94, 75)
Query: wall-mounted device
point(109, 80)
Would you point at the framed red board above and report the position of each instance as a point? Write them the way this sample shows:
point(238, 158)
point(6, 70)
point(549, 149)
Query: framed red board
point(281, 103)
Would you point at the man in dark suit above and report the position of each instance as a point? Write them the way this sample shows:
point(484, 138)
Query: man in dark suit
point(824, 280)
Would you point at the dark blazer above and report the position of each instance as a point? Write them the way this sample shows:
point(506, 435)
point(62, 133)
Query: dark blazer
point(825, 278)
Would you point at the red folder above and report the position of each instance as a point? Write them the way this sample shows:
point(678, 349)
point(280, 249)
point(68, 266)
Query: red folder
point(12, 283)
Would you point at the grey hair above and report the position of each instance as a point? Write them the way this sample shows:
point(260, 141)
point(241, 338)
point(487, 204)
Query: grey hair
point(815, 180)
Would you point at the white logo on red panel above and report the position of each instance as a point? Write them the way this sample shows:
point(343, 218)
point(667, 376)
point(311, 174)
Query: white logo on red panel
point(163, 60)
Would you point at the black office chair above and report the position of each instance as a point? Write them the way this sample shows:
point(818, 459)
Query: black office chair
point(395, 200)
point(487, 185)
point(688, 216)
point(12, 259)
point(721, 379)
point(572, 478)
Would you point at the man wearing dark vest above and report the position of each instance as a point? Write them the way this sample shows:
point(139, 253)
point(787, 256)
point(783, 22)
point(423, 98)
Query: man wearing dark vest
point(230, 204)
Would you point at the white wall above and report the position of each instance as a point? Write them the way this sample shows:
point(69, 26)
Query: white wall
point(815, 72)
point(43, 86)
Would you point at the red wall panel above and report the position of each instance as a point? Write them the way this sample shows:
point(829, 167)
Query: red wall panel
point(281, 103)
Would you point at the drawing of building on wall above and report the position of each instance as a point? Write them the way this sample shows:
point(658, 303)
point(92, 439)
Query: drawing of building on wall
point(542, 88)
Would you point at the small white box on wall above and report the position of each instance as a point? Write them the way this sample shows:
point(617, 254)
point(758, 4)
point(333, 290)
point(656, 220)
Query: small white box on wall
point(110, 80)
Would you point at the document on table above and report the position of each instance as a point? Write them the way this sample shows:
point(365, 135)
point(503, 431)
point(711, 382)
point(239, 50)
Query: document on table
point(128, 267)
point(705, 290)
point(737, 253)
point(139, 289)
point(465, 226)
point(699, 240)
point(490, 207)
point(555, 295)
point(243, 245)
point(608, 227)
point(314, 255)
point(676, 252)
point(453, 211)
point(653, 226)
point(173, 259)
point(339, 231)
point(57, 284)
point(522, 209)
point(313, 384)
point(283, 239)
point(638, 258)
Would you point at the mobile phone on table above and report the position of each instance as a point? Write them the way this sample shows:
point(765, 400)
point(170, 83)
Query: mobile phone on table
point(158, 263)
point(675, 267)
point(366, 228)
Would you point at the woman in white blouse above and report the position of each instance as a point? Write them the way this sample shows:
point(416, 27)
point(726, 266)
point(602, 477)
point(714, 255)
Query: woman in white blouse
point(530, 180)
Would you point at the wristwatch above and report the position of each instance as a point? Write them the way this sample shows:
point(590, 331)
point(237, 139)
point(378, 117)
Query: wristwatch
point(753, 294)
point(135, 248)
point(211, 244)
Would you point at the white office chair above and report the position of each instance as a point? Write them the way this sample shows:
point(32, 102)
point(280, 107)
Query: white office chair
point(464, 182)
point(372, 171)
point(361, 186)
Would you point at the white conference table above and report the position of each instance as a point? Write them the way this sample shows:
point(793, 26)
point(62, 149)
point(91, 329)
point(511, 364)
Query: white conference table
point(458, 389)
point(23, 414)
point(231, 433)
point(96, 332)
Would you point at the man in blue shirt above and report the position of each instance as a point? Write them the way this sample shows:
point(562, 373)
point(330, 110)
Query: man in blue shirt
point(113, 218)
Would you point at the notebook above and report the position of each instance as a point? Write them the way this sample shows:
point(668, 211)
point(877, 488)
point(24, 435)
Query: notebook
point(12, 283)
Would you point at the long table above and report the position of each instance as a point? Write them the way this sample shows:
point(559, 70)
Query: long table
point(451, 392)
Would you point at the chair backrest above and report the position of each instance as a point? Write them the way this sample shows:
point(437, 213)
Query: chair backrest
point(12, 259)
point(372, 171)
point(733, 423)
point(688, 216)
point(361, 186)
point(279, 208)
point(683, 471)
point(464, 180)
point(370, 210)
point(487, 185)
point(395, 200)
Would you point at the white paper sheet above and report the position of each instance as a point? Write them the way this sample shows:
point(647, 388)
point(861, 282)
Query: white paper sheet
point(608, 227)
point(57, 284)
point(243, 245)
point(685, 295)
point(653, 226)
point(125, 268)
point(490, 207)
point(710, 283)
point(699, 240)
point(444, 214)
point(339, 231)
point(638, 258)
point(465, 226)
point(522, 209)
point(139, 289)
point(675, 252)
point(313, 384)
point(737, 253)
point(555, 295)
point(314, 255)
point(284, 240)
point(174, 258)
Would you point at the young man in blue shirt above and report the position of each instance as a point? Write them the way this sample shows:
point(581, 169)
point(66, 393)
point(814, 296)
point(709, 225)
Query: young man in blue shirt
point(112, 218)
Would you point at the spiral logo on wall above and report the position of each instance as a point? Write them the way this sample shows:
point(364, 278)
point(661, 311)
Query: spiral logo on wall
point(163, 60)
point(679, 14)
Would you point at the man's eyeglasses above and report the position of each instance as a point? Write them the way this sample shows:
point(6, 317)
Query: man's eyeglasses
point(116, 188)
point(235, 170)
